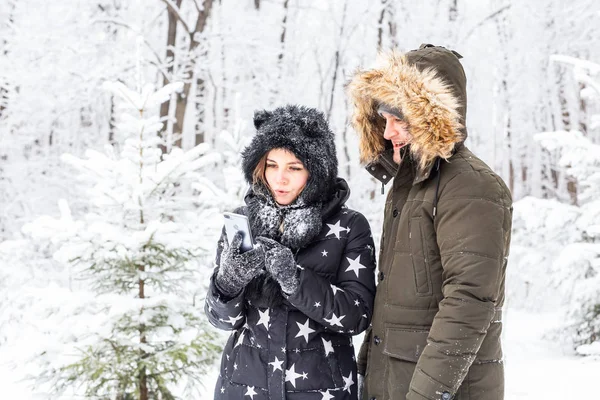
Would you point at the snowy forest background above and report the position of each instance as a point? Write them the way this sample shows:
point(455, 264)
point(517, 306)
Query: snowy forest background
point(121, 123)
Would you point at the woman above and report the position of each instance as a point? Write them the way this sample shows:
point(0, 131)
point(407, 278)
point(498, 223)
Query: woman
point(296, 299)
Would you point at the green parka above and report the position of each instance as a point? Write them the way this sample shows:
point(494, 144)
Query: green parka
point(437, 319)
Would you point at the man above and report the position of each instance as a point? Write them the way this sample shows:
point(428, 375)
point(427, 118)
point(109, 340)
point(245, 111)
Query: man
point(446, 234)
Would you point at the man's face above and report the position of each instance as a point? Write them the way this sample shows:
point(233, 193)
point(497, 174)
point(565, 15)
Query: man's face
point(396, 131)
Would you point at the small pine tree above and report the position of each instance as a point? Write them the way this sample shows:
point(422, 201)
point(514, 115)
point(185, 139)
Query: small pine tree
point(150, 223)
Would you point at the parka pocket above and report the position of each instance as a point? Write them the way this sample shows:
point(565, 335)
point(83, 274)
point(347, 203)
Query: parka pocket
point(420, 254)
point(405, 343)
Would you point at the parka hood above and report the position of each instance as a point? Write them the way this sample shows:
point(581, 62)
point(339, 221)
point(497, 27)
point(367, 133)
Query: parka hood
point(428, 86)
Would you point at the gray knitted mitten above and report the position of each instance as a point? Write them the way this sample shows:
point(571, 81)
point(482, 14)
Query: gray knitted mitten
point(237, 269)
point(280, 263)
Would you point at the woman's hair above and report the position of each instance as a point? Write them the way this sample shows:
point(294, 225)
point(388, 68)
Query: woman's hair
point(258, 175)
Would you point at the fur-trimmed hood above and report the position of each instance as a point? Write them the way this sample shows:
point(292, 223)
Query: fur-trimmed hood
point(429, 86)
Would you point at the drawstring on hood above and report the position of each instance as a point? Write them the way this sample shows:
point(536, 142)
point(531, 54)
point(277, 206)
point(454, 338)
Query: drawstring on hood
point(437, 187)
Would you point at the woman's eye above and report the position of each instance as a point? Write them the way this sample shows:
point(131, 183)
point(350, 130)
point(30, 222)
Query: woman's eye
point(271, 165)
point(296, 168)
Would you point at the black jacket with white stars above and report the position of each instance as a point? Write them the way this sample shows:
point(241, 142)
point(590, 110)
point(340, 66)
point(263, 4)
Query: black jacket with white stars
point(301, 348)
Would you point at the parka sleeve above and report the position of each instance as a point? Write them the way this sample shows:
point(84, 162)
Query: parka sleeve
point(346, 305)
point(473, 234)
point(223, 312)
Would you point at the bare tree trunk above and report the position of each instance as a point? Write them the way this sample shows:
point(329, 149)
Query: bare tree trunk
point(387, 8)
point(453, 12)
point(170, 61)
point(257, 4)
point(380, 24)
point(182, 98)
point(111, 122)
point(275, 90)
point(200, 111)
point(181, 102)
point(392, 26)
point(582, 110)
point(512, 150)
point(143, 378)
point(337, 61)
point(345, 137)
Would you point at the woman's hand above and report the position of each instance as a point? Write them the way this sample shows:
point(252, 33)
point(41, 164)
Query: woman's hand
point(237, 269)
point(280, 263)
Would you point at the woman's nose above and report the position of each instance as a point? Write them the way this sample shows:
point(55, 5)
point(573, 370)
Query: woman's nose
point(282, 177)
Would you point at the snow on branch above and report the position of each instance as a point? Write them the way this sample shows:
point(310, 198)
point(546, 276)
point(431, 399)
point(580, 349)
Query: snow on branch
point(576, 62)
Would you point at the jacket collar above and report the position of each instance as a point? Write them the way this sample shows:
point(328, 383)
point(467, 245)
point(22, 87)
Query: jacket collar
point(384, 168)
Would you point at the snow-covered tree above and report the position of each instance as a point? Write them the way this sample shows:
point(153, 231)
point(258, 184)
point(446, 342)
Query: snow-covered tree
point(151, 221)
point(557, 244)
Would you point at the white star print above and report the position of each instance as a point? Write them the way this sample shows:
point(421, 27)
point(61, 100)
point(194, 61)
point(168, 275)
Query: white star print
point(355, 265)
point(276, 364)
point(304, 375)
point(335, 320)
point(364, 315)
point(317, 304)
point(291, 375)
point(326, 395)
point(250, 392)
point(305, 329)
point(240, 339)
point(237, 305)
point(348, 382)
point(232, 320)
point(264, 318)
point(335, 229)
point(356, 303)
point(328, 347)
point(283, 349)
point(324, 253)
point(235, 366)
point(335, 289)
point(222, 390)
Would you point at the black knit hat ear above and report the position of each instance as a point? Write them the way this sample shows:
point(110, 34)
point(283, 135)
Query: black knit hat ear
point(304, 132)
point(260, 116)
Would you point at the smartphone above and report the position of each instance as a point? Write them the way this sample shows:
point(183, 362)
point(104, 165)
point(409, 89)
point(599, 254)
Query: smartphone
point(239, 223)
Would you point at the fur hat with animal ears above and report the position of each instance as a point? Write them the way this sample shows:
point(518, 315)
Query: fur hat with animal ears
point(304, 132)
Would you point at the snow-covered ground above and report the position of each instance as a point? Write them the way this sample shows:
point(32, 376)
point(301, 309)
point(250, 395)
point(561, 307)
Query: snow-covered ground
point(537, 367)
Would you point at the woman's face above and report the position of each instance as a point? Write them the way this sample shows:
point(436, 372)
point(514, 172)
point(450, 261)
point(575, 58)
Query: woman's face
point(286, 176)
